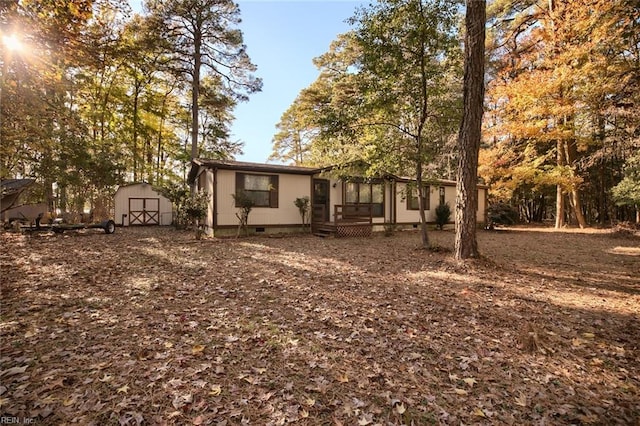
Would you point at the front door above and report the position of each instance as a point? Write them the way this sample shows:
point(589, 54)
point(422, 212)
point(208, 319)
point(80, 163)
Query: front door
point(321, 202)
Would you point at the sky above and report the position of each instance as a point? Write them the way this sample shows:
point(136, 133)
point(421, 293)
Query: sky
point(282, 38)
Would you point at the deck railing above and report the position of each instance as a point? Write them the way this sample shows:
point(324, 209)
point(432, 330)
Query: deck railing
point(348, 221)
point(353, 213)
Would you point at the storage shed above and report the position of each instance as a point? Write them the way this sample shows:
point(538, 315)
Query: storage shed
point(140, 204)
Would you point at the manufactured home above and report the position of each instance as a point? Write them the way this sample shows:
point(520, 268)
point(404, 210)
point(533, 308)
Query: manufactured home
point(339, 205)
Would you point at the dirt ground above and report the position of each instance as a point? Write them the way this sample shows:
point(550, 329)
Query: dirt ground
point(150, 326)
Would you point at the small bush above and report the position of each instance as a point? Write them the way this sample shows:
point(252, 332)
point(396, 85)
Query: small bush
point(625, 230)
point(443, 215)
point(303, 205)
point(389, 229)
point(245, 205)
point(502, 214)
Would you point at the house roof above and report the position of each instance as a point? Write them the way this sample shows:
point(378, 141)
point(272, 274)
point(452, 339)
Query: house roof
point(252, 167)
point(297, 170)
point(443, 182)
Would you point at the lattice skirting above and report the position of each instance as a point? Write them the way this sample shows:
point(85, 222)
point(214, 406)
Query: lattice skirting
point(353, 230)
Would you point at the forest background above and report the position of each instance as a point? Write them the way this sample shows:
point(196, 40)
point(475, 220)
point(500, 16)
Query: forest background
point(110, 97)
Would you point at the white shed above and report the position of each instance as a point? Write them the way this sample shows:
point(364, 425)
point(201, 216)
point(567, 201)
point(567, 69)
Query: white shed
point(140, 204)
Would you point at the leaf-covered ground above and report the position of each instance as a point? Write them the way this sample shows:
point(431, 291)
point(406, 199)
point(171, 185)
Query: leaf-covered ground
point(149, 326)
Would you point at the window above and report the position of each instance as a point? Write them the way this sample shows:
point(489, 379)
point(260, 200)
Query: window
point(442, 195)
point(357, 193)
point(412, 198)
point(262, 189)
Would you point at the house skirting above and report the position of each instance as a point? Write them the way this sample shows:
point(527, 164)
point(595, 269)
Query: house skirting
point(232, 230)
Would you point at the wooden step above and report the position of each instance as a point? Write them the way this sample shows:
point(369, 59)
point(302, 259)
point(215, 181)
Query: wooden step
point(323, 229)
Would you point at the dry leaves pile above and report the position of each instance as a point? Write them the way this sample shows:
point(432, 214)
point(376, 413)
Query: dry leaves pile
point(148, 326)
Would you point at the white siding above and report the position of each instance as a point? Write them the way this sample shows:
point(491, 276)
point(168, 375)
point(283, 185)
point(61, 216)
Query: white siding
point(450, 198)
point(290, 187)
point(413, 216)
point(335, 197)
point(482, 205)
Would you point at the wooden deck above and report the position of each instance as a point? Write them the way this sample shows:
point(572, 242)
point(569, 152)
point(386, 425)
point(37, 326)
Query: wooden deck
point(349, 221)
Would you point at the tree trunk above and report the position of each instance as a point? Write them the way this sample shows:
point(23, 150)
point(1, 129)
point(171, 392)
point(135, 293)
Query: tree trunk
point(576, 198)
point(466, 245)
point(602, 195)
point(424, 234)
point(195, 94)
point(560, 222)
point(136, 154)
point(421, 202)
point(559, 190)
point(576, 203)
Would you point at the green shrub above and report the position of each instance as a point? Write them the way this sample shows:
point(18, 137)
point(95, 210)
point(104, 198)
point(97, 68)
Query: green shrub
point(443, 215)
point(189, 207)
point(502, 214)
point(195, 206)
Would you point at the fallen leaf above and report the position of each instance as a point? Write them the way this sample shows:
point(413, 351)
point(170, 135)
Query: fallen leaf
point(215, 390)
point(470, 381)
point(251, 380)
point(342, 378)
point(181, 400)
point(123, 389)
point(588, 335)
point(460, 391)
point(14, 370)
point(365, 420)
point(265, 396)
point(478, 412)
point(521, 400)
point(197, 349)
point(399, 408)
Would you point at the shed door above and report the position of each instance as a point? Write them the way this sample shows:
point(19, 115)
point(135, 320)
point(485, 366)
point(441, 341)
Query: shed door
point(144, 211)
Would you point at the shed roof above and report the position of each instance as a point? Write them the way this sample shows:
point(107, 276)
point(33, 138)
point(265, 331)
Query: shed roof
point(10, 185)
point(155, 189)
point(11, 190)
